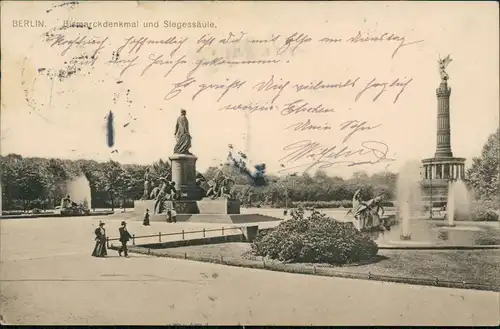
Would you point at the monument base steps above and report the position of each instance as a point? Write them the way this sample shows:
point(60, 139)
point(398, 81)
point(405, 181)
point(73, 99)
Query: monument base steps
point(210, 218)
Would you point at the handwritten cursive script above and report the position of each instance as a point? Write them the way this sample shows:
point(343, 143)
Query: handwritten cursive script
point(81, 41)
point(301, 106)
point(383, 86)
point(354, 126)
point(308, 126)
point(250, 107)
point(134, 44)
point(319, 156)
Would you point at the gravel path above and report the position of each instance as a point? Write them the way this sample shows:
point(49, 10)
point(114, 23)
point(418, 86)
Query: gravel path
point(48, 277)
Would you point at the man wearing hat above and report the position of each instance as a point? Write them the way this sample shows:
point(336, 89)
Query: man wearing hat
point(124, 238)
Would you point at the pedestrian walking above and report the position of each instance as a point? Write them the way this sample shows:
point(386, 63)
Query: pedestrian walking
point(146, 218)
point(100, 249)
point(124, 238)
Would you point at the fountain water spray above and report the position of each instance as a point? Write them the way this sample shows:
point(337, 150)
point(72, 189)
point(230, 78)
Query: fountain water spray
point(450, 206)
point(408, 195)
point(459, 202)
point(405, 214)
point(79, 190)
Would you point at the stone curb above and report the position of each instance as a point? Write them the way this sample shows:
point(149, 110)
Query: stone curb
point(54, 215)
point(319, 272)
point(438, 247)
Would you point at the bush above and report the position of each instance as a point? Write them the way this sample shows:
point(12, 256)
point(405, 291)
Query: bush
point(316, 239)
point(484, 211)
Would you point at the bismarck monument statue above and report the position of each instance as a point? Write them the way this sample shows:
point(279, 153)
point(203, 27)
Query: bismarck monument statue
point(184, 162)
point(184, 193)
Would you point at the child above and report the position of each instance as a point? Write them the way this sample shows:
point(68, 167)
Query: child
point(146, 218)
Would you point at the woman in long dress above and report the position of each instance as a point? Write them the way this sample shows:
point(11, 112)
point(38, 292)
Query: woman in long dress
point(100, 242)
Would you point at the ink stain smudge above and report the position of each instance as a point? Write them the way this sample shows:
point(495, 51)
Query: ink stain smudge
point(70, 4)
point(110, 129)
point(71, 68)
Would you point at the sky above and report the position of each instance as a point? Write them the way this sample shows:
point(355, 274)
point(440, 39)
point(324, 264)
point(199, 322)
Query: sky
point(44, 116)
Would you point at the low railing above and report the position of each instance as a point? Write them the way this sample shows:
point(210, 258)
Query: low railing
point(181, 233)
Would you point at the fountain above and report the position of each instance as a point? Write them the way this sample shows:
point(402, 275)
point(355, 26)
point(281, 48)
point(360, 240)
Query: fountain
point(450, 206)
point(405, 215)
point(408, 195)
point(431, 233)
point(459, 202)
point(79, 190)
point(459, 205)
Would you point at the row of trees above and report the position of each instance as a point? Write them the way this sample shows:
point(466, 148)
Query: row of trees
point(319, 188)
point(39, 182)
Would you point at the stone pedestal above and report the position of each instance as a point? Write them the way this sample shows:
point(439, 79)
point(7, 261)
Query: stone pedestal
point(436, 176)
point(218, 206)
point(204, 206)
point(250, 232)
point(184, 176)
point(192, 207)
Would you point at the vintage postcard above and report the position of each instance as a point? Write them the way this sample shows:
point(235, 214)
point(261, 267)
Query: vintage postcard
point(249, 163)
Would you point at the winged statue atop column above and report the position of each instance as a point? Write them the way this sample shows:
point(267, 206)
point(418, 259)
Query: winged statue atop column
point(443, 63)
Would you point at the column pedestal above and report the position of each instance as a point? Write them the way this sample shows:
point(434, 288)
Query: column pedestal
point(184, 176)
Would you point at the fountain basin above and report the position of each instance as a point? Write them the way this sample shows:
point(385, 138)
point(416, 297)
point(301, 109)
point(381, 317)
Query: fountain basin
point(434, 233)
point(460, 228)
point(426, 246)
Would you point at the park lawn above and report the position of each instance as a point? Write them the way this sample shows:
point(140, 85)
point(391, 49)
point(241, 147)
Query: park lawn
point(471, 266)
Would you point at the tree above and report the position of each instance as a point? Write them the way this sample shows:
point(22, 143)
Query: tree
point(115, 181)
point(160, 169)
point(10, 170)
point(57, 175)
point(384, 182)
point(211, 173)
point(31, 182)
point(26, 181)
point(484, 176)
point(135, 181)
